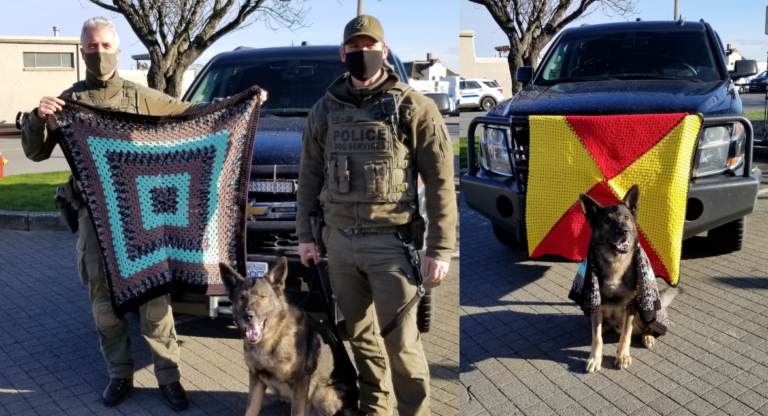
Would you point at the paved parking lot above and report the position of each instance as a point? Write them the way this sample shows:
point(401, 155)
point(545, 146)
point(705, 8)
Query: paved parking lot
point(50, 362)
point(524, 344)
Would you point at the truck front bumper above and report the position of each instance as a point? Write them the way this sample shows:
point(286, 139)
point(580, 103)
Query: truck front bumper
point(712, 202)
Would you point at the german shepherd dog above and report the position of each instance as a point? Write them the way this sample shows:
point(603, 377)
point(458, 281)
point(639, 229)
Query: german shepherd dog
point(614, 241)
point(287, 350)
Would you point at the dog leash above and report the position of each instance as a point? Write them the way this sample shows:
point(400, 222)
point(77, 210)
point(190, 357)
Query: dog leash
point(409, 245)
point(314, 274)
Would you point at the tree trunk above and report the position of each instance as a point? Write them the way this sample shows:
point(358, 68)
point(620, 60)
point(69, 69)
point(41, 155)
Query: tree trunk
point(168, 82)
point(515, 61)
point(173, 82)
point(155, 78)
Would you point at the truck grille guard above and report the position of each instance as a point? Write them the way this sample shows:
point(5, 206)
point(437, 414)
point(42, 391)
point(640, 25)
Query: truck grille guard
point(520, 141)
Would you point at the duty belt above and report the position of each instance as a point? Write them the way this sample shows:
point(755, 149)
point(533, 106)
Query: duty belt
point(392, 229)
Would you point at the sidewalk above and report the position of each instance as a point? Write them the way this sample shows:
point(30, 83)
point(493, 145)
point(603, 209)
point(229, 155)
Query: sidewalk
point(50, 363)
point(524, 344)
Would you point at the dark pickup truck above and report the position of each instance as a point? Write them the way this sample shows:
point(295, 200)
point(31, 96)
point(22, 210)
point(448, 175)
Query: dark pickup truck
point(625, 68)
point(296, 78)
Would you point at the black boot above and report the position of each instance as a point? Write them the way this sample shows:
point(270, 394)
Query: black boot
point(116, 391)
point(176, 395)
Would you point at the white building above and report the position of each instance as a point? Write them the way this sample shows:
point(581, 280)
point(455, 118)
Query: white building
point(34, 67)
point(491, 68)
point(424, 76)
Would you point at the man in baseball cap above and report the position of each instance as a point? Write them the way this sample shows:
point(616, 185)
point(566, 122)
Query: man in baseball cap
point(364, 147)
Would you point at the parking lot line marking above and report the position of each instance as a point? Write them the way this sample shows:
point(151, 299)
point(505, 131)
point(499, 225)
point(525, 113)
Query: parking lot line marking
point(1, 150)
point(762, 191)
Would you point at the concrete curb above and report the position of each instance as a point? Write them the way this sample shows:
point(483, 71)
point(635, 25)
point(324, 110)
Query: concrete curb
point(30, 221)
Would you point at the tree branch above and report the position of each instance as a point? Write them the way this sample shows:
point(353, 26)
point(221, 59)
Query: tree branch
point(105, 6)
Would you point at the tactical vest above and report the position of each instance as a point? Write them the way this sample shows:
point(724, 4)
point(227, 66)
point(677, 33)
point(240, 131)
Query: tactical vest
point(365, 157)
point(126, 102)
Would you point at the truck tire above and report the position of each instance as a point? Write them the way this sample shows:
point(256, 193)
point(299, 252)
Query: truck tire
point(727, 238)
point(424, 311)
point(487, 103)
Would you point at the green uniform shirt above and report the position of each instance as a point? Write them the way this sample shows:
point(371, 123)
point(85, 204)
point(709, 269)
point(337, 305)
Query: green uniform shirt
point(34, 135)
point(422, 129)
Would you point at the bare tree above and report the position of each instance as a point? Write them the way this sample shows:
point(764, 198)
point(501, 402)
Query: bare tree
point(176, 32)
point(531, 24)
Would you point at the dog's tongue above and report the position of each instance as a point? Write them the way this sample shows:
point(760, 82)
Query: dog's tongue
point(623, 245)
point(253, 333)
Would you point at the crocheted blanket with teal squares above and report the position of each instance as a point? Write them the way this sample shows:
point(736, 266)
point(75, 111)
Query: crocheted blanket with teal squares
point(166, 195)
point(585, 291)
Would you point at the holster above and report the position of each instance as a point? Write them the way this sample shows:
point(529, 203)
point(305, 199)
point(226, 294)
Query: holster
point(418, 229)
point(316, 223)
point(66, 197)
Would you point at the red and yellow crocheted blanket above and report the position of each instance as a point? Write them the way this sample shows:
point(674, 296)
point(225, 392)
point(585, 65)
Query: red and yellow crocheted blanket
point(603, 156)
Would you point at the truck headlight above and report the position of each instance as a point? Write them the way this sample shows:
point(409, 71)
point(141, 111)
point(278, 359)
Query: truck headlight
point(721, 149)
point(494, 155)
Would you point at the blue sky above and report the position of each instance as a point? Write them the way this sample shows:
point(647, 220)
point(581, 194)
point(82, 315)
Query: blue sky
point(740, 23)
point(411, 27)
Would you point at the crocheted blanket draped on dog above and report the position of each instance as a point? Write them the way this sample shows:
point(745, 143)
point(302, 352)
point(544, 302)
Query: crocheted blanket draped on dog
point(166, 195)
point(603, 156)
point(586, 291)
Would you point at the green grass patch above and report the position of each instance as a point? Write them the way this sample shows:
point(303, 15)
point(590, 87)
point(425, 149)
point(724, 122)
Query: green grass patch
point(755, 115)
point(460, 149)
point(32, 192)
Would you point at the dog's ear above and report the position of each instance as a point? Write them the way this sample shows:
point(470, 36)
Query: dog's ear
point(230, 277)
point(631, 199)
point(277, 275)
point(590, 207)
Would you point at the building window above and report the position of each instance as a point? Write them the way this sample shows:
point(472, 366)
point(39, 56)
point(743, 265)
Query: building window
point(47, 60)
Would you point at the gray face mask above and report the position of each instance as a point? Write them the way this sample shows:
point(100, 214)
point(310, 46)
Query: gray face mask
point(101, 63)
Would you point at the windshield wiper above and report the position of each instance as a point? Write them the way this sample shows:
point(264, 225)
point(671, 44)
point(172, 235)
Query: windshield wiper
point(654, 76)
point(579, 79)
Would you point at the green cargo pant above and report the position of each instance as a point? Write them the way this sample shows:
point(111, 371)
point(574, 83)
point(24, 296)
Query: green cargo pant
point(373, 280)
point(156, 316)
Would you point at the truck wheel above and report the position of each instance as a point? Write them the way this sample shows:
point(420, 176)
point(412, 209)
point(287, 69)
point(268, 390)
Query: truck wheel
point(424, 312)
point(727, 238)
point(487, 103)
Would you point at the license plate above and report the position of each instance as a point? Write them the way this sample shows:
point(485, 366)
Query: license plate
point(257, 269)
point(273, 187)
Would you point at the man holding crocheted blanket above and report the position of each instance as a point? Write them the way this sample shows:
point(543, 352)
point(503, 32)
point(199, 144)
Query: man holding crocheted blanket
point(104, 88)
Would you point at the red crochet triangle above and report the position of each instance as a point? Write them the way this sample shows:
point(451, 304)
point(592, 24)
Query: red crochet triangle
point(615, 142)
point(570, 235)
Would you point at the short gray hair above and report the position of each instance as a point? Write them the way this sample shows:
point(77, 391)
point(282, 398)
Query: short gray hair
point(102, 23)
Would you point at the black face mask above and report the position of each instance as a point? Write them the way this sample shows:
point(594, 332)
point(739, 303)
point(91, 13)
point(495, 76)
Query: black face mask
point(365, 64)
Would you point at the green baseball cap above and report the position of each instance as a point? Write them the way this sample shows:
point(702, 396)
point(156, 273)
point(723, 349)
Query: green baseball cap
point(363, 25)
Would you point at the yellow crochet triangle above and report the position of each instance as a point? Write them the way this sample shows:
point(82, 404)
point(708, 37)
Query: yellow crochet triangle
point(663, 198)
point(557, 157)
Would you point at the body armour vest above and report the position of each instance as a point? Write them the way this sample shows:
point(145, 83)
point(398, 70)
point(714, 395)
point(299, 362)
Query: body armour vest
point(126, 102)
point(365, 157)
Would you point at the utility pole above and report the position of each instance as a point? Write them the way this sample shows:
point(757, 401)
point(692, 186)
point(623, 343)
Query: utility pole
point(676, 9)
point(360, 7)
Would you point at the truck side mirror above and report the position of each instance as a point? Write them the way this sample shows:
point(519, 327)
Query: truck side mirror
point(743, 68)
point(442, 101)
point(524, 74)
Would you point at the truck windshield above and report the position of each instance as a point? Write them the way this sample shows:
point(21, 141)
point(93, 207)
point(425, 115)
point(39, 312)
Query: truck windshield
point(294, 84)
point(631, 55)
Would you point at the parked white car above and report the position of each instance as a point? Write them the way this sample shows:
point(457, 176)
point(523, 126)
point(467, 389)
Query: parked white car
point(476, 92)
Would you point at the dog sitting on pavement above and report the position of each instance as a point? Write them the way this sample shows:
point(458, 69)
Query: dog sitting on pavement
point(287, 350)
point(615, 284)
